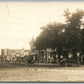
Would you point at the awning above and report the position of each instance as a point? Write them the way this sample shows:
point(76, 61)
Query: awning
point(33, 53)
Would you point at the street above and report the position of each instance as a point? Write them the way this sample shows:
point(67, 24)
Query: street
point(13, 72)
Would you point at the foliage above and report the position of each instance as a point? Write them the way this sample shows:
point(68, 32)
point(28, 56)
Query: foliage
point(51, 36)
point(68, 35)
point(74, 22)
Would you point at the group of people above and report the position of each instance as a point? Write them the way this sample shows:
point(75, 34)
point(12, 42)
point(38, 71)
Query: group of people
point(70, 56)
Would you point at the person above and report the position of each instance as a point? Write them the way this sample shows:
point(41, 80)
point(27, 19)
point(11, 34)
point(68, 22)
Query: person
point(59, 52)
point(75, 56)
point(65, 55)
point(54, 57)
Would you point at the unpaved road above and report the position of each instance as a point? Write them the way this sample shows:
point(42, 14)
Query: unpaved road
point(40, 73)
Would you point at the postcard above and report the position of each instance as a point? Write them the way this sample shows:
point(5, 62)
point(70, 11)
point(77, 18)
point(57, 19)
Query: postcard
point(41, 41)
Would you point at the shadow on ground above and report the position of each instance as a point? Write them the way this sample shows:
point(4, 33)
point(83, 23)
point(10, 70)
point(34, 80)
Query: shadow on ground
point(14, 65)
point(40, 65)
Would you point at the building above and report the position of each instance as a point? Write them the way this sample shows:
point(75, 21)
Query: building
point(42, 56)
point(14, 55)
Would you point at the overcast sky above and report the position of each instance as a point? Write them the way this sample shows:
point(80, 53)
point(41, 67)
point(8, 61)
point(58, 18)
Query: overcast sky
point(19, 21)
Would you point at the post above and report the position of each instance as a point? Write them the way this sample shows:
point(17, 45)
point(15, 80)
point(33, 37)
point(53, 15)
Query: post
point(47, 56)
point(78, 59)
point(4, 59)
point(39, 56)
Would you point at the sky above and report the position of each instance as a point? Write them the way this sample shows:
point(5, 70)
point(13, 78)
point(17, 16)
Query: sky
point(20, 21)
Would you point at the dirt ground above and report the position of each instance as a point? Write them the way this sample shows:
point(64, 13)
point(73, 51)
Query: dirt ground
point(40, 73)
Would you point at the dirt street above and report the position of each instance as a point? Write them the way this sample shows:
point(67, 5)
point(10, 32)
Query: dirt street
point(16, 72)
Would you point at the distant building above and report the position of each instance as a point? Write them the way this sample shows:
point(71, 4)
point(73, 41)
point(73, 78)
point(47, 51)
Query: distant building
point(13, 54)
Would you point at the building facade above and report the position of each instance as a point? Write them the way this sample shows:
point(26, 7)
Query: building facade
point(14, 55)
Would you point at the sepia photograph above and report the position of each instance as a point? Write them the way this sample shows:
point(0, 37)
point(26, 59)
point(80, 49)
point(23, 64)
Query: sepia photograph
point(41, 41)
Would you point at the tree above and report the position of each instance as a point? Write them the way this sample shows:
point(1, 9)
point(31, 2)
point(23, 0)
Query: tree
point(58, 35)
point(74, 22)
point(50, 36)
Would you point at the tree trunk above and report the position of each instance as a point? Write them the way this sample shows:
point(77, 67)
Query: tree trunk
point(59, 58)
